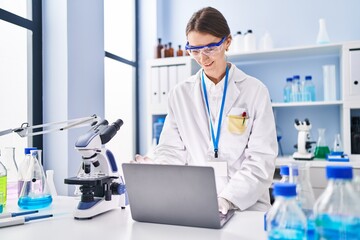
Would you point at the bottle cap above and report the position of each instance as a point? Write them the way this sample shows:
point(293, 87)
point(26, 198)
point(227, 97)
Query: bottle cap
point(27, 150)
point(285, 189)
point(289, 79)
point(296, 77)
point(238, 32)
point(339, 172)
point(308, 77)
point(284, 170)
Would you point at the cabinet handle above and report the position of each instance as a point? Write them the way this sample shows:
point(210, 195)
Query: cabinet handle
point(356, 82)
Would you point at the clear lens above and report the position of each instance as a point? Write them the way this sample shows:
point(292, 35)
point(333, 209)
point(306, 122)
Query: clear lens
point(208, 51)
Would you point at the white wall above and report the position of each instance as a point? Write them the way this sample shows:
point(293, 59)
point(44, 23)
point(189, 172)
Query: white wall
point(290, 23)
point(73, 87)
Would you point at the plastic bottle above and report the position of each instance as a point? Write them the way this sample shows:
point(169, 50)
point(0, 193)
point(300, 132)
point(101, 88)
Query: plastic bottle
point(3, 185)
point(322, 37)
point(179, 52)
point(284, 172)
point(337, 210)
point(285, 219)
point(238, 43)
point(23, 167)
point(158, 48)
point(249, 41)
point(266, 42)
point(299, 175)
point(308, 90)
point(295, 89)
point(288, 90)
point(158, 128)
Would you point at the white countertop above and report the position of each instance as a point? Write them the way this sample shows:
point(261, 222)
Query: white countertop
point(315, 162)
point(118, 224)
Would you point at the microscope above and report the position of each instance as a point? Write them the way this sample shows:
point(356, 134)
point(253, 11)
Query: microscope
point(102, 188)
point(303, 145)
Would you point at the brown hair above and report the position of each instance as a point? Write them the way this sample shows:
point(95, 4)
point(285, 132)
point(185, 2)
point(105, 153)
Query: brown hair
point(208, 20)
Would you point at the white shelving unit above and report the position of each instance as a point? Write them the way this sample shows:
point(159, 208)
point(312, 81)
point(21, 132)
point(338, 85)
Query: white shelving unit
point(272, 67)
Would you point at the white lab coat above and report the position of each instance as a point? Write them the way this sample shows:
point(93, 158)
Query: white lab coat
point(250, 156)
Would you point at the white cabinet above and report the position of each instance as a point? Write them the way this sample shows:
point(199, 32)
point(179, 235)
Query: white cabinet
point(272, 68)
point(163, 74)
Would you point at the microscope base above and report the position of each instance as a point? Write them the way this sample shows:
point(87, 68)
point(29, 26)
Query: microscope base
point(302, 156)
point(98, 206)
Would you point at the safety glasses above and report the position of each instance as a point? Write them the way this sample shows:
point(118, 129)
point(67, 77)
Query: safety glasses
point(208, 50)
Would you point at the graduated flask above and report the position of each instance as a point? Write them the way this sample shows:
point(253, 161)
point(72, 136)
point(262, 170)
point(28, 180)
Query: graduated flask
point(35, 193)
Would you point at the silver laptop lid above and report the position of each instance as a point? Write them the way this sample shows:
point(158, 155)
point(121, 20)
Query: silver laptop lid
point(172, 194)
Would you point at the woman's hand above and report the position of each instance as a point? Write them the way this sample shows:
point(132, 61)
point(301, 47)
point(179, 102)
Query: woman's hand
point(142, 159)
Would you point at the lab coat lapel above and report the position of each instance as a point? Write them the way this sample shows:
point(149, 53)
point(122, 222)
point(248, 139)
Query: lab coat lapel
point(232, 94)
point(199, 102)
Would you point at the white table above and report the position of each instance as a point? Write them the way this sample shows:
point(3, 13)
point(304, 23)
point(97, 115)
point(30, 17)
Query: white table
point(118, 224)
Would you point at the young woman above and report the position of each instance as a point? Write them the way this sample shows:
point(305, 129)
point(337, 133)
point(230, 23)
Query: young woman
point(221, 117)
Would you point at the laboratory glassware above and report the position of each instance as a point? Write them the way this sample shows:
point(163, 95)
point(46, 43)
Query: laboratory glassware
point(299, 174)
point(12, 172)
point(3, 183)
point(338, 147)
point(285, 219)
point(35, 193)
point(337, 210)
point(179, 52)
point(322, 36)
point(288, 90)
point(23, 167)
point(158, 48)
point(322, 149)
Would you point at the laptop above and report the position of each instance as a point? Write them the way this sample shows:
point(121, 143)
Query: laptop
point(173, 194)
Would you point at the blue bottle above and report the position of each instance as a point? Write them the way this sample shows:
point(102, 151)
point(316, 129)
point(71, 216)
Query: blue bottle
point(337, 211)
point(157, 128)
point(287, 90)
point(309, 90)
point(285, 219)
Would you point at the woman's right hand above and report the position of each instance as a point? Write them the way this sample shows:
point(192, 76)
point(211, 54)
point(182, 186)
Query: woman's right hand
point(142, 159)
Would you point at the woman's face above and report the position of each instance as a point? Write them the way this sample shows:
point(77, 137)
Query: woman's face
point(212, 58)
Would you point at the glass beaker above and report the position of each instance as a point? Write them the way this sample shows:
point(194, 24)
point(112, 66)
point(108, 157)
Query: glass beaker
point(12, 172)
point(322, 149)
point(35, 193)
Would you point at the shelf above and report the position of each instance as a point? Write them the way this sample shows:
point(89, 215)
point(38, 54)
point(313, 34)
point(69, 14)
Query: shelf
point(307, 104)
point(286, 53)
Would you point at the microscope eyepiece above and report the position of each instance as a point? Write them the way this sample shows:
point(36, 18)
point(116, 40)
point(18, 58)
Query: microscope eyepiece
point(110, 131)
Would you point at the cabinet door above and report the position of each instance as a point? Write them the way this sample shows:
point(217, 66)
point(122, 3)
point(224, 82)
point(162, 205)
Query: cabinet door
point(355, 72)
point(172, 76)
point(182, 73)
point(164, 84)
point(155, 86)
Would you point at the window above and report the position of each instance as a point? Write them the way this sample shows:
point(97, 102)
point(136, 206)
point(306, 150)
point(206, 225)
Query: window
point(20, 70)
point(121, 74)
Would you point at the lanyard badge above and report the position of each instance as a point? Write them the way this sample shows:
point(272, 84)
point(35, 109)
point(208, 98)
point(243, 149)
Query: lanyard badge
point(215, 139)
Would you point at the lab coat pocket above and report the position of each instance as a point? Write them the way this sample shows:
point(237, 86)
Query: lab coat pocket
point(237, 124)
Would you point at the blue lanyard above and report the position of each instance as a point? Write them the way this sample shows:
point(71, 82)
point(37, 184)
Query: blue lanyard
point(215, 139)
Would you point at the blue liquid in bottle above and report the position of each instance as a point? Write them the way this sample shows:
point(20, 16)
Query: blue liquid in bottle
point(338, 227)
point(35, 203)
point(283, 234)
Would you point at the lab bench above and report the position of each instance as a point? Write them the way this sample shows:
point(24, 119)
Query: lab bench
point(118, 224)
